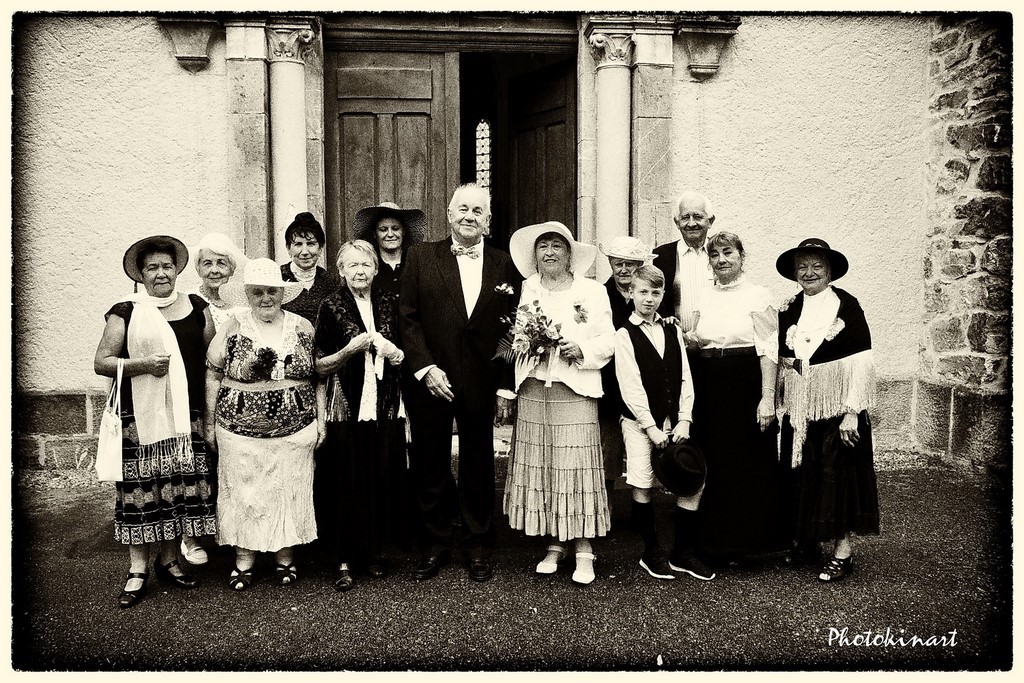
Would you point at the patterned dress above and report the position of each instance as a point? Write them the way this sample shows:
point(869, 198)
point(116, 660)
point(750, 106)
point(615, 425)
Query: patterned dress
point(265, 435)
point(162, 499)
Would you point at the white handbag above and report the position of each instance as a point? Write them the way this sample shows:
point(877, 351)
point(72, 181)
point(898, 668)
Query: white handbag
point(108, 449)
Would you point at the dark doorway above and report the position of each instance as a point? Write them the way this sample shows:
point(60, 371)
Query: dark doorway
point(518, 132)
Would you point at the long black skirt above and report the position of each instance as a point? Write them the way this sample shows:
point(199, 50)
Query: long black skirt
point(742, 510)
point(834, 489)
point(361, 489)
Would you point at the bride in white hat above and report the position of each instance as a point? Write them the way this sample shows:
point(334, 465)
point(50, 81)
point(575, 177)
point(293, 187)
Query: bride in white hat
point(555, 484)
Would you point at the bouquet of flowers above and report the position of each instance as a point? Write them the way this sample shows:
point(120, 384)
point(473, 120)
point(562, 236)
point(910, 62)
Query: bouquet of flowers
point(531, 335)
point(534, 332)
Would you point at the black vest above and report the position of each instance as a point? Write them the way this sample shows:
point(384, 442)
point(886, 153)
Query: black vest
point(662, 378)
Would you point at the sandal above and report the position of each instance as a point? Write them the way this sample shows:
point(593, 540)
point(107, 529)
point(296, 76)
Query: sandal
point(836, 569)
point(240, 579)
point(549, 565)
point(584, 573)
point(285, 574)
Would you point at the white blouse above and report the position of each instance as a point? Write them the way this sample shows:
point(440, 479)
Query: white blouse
point(590, 326)
point(816, 317)
point(737, 315)
point(220, 314)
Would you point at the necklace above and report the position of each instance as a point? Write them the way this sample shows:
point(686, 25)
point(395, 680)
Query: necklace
point(212, 298)
point(556, 286)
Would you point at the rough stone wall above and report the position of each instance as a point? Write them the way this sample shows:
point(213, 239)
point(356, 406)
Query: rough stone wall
point(963, 396)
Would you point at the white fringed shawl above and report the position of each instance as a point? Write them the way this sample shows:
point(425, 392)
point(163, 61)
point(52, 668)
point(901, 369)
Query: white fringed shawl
point(840, 377)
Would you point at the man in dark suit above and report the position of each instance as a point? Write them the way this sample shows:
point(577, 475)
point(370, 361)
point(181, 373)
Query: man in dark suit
point(454, 296)
point(684, 262)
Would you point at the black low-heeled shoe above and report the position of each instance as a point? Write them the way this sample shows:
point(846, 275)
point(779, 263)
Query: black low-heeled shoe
point(345, 581)
point(129, 598)
point(163, 572)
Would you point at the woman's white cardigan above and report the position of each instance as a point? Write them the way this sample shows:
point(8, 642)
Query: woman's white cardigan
point(595, 336)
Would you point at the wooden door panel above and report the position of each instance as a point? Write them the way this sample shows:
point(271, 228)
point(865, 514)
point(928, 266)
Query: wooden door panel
point(357, 134)
point(411, 150)
point(542, 123)
point(390, 115)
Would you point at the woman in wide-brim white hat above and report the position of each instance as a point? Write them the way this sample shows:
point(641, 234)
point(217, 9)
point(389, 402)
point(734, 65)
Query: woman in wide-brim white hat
point(557, 444)
point(266, 416)
point(391, 230)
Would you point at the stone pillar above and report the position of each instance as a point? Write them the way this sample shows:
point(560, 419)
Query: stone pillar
point(249, 146)
point(963, 395)
point(287, 40)
point(613, 54)
point(651, 121)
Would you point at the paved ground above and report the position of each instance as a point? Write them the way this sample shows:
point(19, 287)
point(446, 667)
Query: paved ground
point(941, 564)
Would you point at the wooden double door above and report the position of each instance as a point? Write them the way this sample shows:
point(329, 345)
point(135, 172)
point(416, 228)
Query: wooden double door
point(402, 126)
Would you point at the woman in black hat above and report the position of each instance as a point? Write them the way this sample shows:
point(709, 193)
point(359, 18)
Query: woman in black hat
point(827, 382)
point(305, 238)
point(391, 230)
point(159, 337)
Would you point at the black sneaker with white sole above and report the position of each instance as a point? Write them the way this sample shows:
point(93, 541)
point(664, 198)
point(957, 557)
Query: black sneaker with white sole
point(656, 565)
point(692, 566)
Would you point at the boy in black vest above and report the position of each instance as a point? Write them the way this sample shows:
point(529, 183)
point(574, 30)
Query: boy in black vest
point(657, 397)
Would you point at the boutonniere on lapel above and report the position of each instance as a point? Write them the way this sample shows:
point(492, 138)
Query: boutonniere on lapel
point(785, 304)
point(504, 288)
point(581, 313)
point(835, 328)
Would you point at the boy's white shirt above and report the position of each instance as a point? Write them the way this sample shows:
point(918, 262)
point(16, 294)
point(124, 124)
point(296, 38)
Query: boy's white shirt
point(628, 372)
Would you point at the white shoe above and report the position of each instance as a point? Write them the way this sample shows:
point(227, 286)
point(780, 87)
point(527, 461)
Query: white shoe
point(584, 573)
point(549, 565)
point(193, 554)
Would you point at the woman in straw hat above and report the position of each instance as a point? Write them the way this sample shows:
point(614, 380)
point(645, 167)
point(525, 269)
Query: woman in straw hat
point(391, 230)
point(555, 484)
point(269, 416)
point(827, 379)
point(160, 336)
point(625, 254)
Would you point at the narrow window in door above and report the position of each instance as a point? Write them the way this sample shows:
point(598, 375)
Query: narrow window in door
point(483, 153)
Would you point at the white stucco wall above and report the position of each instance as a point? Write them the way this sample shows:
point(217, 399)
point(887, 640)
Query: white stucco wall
point(814, 126)
point(113, 141)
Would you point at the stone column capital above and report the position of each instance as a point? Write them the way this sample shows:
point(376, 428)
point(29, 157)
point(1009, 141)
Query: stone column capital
point(288, 38)
point(612, 49)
